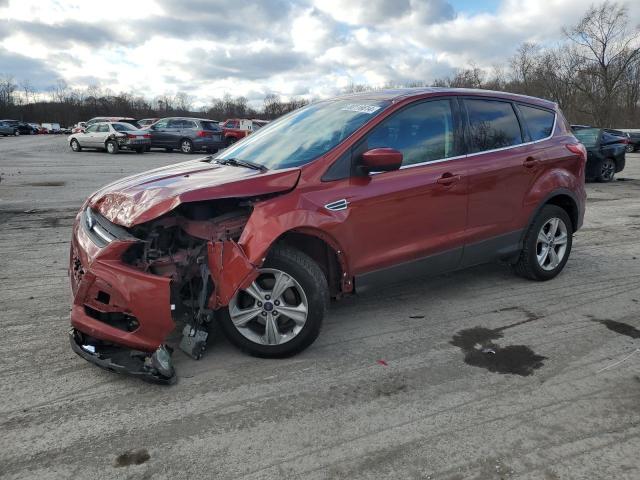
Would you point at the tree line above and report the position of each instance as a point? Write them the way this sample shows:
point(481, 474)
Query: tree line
point(593, 74)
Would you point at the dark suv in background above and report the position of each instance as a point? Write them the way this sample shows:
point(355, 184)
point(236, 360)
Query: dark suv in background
point(186, 134)
point(605, 152)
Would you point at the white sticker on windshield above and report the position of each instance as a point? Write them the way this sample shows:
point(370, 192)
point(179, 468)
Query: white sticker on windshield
point(360, 108)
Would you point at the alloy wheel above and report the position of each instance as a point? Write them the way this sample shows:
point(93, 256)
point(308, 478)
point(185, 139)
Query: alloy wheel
point(608, 170)
point(186, 146)
point(551, 246)
point(272, 311)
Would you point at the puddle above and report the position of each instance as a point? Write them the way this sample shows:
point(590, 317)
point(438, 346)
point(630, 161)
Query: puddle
point(479, 349)
point(132, 457)
point(618, 327)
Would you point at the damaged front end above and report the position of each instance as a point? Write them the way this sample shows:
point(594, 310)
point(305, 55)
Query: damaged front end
point(132, 287)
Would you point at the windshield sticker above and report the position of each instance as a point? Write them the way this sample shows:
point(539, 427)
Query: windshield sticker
point(360, 108)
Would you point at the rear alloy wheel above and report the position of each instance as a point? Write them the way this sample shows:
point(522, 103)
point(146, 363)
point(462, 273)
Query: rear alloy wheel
point(281, 312)
point(16, 133)
point(112, 147)
point(75, 145)
point(186, 146)
point(629, 148)
point(547, 245)
point(607, 170)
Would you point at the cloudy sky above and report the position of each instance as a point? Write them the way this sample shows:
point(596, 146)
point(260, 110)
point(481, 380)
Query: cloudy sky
point(254, 47)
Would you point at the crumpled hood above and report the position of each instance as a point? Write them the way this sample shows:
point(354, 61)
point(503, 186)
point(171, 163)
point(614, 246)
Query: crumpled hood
point(148, 195)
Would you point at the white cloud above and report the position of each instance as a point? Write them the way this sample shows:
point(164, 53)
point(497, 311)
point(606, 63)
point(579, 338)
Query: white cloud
point(289, 47)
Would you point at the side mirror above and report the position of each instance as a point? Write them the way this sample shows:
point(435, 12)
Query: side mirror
point(381, 160)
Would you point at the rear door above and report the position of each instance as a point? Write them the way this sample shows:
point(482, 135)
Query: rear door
point(100, 137)
point(502, 164)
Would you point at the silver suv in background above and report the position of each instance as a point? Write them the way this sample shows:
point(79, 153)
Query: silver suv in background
point(112, 137)
point(186, 134)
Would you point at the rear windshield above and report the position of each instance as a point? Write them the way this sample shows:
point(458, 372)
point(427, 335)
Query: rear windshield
point(130, 122)
point(210, 126)
point(587, 136)
point(122, 127)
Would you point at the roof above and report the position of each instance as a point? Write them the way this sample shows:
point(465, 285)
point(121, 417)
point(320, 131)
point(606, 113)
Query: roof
point(399, 94)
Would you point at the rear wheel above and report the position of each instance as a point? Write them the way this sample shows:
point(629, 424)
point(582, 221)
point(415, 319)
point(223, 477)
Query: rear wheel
point(606, 170)
point(547, 245)
point(629, 148)
point(112, 147)
point(281, 312)
point(75, 145)
point(186, 145)
point(16, 132)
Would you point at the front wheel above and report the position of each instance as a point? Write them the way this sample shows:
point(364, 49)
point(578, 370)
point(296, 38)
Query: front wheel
point(606, 171)
point(281, 312)
point(547, 245)
point(629, 148)
point(75, 145)
point(16, 133)
point(112, 147)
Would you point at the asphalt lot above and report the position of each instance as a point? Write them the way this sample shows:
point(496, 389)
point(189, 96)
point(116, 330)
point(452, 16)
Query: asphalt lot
point(385, 391)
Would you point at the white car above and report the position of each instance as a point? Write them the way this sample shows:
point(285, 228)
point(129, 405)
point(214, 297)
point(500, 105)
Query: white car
point(112, 137)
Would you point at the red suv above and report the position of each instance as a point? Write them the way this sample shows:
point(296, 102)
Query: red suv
point(334, 198)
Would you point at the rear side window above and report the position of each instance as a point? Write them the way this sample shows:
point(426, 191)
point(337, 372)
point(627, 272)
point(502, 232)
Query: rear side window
point(492, 124)
point(538, 121)
point(422, 132)
point(189, 124)
point(103, 128)
point(175, 124)
point(587, 136)
point(210, 126)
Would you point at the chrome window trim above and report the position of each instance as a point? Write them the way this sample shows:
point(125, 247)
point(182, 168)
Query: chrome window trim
point(553, 131)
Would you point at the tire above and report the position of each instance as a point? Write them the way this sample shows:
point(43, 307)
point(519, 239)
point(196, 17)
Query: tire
point(186, 146)
point(112, 147)
point(75, 145)
point(606, 170)
point(16, 133)
point(629, 148)
point(529, 264)
point(308, 277)
point(228, 141)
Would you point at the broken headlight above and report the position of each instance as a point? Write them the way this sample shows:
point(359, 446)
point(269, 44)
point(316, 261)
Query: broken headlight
point(101, 230)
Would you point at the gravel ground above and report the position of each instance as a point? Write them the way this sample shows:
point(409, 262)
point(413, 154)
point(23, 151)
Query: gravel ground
point(385, 392)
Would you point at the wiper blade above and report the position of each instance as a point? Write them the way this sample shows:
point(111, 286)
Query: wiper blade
point(241, 163)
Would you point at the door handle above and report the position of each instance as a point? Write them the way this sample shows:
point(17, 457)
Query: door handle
point(448, 179)
point(530, 162)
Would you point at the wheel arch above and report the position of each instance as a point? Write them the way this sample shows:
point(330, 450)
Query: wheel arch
point(323, 250)
point(565, 199)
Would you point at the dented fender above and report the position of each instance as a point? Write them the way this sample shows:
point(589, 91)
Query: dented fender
point(230, 270)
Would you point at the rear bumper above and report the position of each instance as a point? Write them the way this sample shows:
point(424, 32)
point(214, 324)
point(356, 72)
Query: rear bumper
point(204, 142)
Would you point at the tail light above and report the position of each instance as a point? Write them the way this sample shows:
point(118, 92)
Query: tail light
point(204, 133)
point(578, 149)
point(131, 136)
point(146, 135)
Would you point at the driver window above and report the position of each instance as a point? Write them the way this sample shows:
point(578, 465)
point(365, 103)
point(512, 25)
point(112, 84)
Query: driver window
point(161, 124)
point(422, 132)
point(91, 128)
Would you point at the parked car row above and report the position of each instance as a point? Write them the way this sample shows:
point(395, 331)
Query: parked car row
point(16, 128)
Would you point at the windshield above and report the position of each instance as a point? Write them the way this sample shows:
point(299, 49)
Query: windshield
point(122, 127)
point(587, 136)
point(305, 134)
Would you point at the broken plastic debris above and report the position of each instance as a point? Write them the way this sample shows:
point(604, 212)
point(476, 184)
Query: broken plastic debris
point(383, 363)
point(89, 348)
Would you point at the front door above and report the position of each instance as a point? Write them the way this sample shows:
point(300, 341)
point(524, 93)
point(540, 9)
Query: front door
point(411, 221)
point(159, 133)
